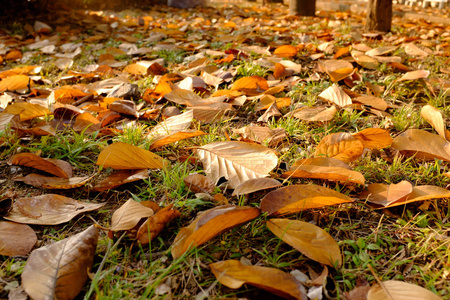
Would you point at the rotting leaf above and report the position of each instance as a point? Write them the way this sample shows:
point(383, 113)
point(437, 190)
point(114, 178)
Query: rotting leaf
point(340, 145)
point(123, 156)
point(237, 161)
point(209, 224)
point(234, 274)
point(312, 241)
point(59, 270)
point(156, 223)
point(129, 215)
point(295, 198)
point(399, 290)
point(52, 166)
point(254, 185)
point(50, 209)
point(16, 239)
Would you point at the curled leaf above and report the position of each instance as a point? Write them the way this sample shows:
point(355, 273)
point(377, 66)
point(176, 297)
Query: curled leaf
point(56, 167)
point(129, 215)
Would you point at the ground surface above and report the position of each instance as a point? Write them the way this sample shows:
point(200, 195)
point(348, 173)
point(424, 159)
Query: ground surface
point(235, 40)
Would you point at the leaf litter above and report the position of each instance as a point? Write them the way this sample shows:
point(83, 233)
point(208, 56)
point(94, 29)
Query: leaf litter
point(189, 96)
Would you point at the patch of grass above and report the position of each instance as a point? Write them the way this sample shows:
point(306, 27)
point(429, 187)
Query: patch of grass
point(251, 69)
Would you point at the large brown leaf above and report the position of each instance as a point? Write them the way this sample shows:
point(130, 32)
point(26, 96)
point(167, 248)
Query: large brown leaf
point(50, 209)
point(119, 178)
point(129, 215)
point(312, 241)
point(122, 156)
point(399, 290)
point(56, 167)
point(16, 239)
point(254, 185)
point(59, 270)
point(156, 223)
point(422, 144)
point(295, 198)
point(209, 224)
point(27, 111)
point(234, 274)
point(385, 195)
point(336, 95)
point(237, 161)
point(199, 183)
point(341, 145)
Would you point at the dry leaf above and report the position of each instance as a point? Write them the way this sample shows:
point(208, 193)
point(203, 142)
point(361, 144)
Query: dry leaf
point(399, 290)
point(16, 239)
point(173, 124)
point(161, 141)
point(312, 241)
point(365, 61)
point(156, 223)
point(59, 270)
point(47, 182)
point(234, 274)
point(315, 114)
point(209, 224)
point(251, 86)
point(50, 209)
point(129, 215)
point(121, 155)
point(385, 195)
point(374, 138)
point(372, 101)
point(237, 161)
point(337, 69)
point(422, 144)
point(180, 96)
point(27, 111)
point(413, 75)
point(287, 51)
point(299, 197)
point(199, 183)
point(336, 95)
point(254, 185)
point(341, 145)
point(434, 117)
point(67, 95)
point(14, 83)
point(119, 178)
point(52, 166)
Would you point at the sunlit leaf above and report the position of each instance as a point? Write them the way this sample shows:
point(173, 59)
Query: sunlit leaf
point(254, 185)
point(413, 75)
point(337, 69)
point(286, 51)
point(15, 82)
point(27, 111)
point(399, 290)
point(372, 101)
point(58, 183)
point(312, 241)
point(336, 95)
point(16, 239)
point(129, 215)
point(385, 195)
point(341, 145)
point(434, 117)
point(374, 138)
point(252, 85)
point(161, 141)
point(56, 167)
point(156, 223)
point(315, 114)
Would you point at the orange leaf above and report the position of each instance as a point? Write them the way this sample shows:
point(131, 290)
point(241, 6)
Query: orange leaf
point(385, 195)
point(15, 82)
point(156, 223)
point(341, 146)
point(254, 185)
point(252, 85)
point(288, 51)
point(27, 111)
point(56, 167)
point(374, 138)
point(119, 178)
point(68, 95)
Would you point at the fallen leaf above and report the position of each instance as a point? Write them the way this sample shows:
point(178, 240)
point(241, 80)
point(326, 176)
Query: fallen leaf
point(16, 239)
point(365, 61)
point(59, 270)
point(67, 95)
point(413, 75)
point(27, 111)
point(399, 290)
point(15, 82)
point(119, 178)
point(340, 145)
point(434, 117)
point(52, 166)
point(121, 155)
point(180, 96)
point(209, 224)
point(312, 241)
point(129, 215)
point(156, 223)
point(422, 144)
point(173, 124)
point(295, 198)
point(336, 95)
point(287, 51)
point(413, 50)
point(372, 101)
point(199, 183)
point(50, 209)
point(337, 69)
point(315, 114)
point(234, 274)
point(251, 86)
point(374, 138)
point(236, 161)
point(47, 182)
point(385, 195)
point(163, 140)
point(254, 185)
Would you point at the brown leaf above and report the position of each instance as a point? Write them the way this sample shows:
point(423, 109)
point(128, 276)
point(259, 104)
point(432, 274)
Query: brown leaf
point(365, 61)
point(262, 134)
point(14, 83)
point(124, 156)
point(136, 69)
point(372, 101)
point(59, 270)
point(337, 69)
point(234, 274)
point(251, 86)
point(236, 161)
point(254, 185)
point(50, 209)
point(312, 241)
point(125, 107)
point(315, 114)
point(181, 96)
point(336, 95)
point(287, 51)
point(172, 125)
point(385, 195)
point(300, 197)
point(209, 224)
point(434, 117)
point(199, 183)
point(413, 75)
point(47, 182)
point(320, 168)
point(280, 71)
point(374, 138)
point(341, 145)
point(399, 290)
point(119, 178)
point(27, 111)
point(68, 95)
point(56, 167)
point(156, 223)
point(422, 144)
point(16, 239)
point(129, 215)
point(161, 141)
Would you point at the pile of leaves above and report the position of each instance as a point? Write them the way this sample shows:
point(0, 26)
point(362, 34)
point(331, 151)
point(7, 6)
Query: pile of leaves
point(169, 133)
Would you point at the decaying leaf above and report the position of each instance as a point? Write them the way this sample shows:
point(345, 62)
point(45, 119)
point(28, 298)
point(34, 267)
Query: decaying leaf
point(16, 239)
point(199, 183)
point(57, 183)
point(56, 167)
point(50, 209)
point(129, 215)
point(59, 270)
point(123, 156)
point(399, 290)
point(209, 224)
point(340, 145)
point(312, 241)
point(295, 198)
point(234, 274)
point(156, 223)
point(237, 161)
point(254, 185)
